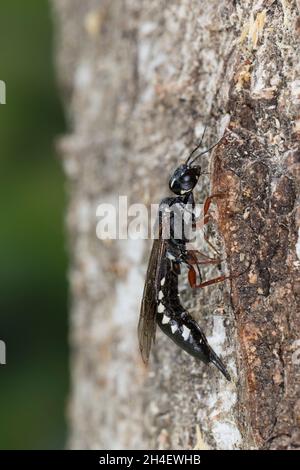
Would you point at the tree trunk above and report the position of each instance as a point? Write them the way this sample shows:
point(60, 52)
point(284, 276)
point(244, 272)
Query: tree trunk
point(140, 81)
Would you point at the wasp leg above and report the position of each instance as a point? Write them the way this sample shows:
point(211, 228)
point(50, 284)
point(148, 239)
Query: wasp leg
point(192, 257)
point(207, 217)
point(209, 200)
point(193, 278)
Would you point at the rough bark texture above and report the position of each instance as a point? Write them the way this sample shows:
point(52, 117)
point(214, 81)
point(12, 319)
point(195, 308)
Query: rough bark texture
point(140, 80)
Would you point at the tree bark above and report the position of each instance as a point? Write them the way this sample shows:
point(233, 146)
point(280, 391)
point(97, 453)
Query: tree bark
point(140, 81)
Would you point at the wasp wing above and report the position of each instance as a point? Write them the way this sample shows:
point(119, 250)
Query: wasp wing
point(147, 320)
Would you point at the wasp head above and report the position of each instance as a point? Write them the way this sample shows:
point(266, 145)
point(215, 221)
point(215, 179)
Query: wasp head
point(184, 179)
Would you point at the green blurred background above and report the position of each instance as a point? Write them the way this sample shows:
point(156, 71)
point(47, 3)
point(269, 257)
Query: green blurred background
point(33, 300)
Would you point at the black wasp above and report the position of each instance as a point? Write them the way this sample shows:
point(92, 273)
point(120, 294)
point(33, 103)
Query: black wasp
point(160, 303)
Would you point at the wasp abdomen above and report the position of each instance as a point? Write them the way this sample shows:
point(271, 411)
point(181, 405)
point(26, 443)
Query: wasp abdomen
point(187, 334)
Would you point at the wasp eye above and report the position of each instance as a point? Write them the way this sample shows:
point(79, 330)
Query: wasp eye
point(186, 178)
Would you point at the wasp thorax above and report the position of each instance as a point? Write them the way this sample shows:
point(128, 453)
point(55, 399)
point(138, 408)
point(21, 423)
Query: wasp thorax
point(184, 179)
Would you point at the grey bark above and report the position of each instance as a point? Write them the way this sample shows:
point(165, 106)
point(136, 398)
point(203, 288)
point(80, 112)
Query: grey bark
point(140, 80)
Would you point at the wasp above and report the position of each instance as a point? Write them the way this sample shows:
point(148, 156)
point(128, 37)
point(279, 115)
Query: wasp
point(160, 303)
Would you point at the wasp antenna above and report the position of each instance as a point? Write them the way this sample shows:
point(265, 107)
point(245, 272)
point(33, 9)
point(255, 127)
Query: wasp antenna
point(208, 150)
point(196, 148)
point(219, 364)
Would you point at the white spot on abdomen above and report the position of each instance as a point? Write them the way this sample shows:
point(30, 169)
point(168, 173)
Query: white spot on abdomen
point(165, 320)
point(160, 295)
point(160, 308)
point(162, 282)
point(174, 328)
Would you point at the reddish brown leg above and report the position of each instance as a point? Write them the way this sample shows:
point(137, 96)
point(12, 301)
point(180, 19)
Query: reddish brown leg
point(210, 261)
point(200, 224)
point(206, 206)
point(193, 258)
point(193, 279)
point(192, 275)
point(209, 200)
point(205, 236)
